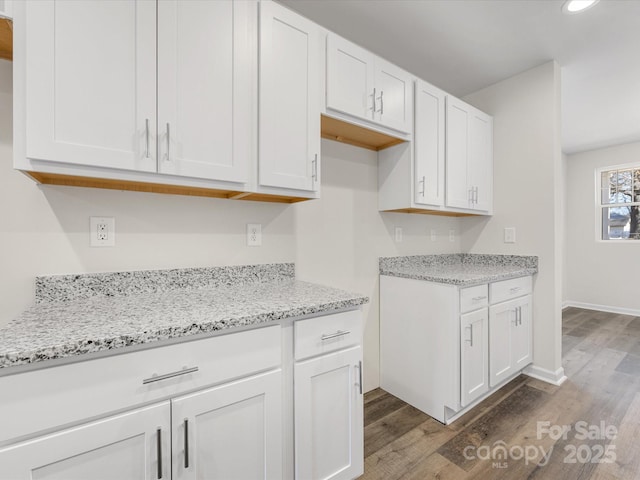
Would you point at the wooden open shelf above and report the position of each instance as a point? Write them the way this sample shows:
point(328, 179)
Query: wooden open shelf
point(6, 39)
point(334, 129)
point(73, 181)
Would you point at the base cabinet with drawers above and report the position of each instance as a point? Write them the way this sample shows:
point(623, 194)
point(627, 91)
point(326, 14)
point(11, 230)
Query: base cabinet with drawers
point(443, 348)
point(222, 407)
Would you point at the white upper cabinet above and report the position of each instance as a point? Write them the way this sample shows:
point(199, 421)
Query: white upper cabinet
point(5, 8)
point(205, 89)
point(364, 86)
point(469, 143)
point(92, 97)
point(90, 83)
point(289, 105)
point(428, 137)
point(350, 78)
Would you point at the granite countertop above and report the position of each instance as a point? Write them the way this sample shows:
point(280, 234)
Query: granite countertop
point(459, 269)
point(79, 314)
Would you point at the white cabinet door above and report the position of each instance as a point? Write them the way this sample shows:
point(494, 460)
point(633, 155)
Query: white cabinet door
point(289, 110)
point(469, 160)
point(329, 416)
point(502, 318)
point(91, 83)
point(135, 445)
point(233, 431)
point(428, 138)
point(480, 173)
point(522, 344)
point(459, 194)
point(474, 350)
point(205, 88)
point(350, 77)
point(509, 338)
point(393, 96)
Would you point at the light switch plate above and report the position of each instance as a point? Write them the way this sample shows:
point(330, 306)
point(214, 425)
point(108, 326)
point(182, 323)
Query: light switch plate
point(398, 233)
point(510, 235)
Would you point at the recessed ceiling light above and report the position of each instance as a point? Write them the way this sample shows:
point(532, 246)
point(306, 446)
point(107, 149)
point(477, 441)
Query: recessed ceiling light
point(577, 6)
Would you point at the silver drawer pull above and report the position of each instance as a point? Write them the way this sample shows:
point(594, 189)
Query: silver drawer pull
point(157, 378)
point(515, 289)
point(339, 333)
point(477, 299)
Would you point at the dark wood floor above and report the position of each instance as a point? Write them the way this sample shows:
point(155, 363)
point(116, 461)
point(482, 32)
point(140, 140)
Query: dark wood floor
point(601, 357)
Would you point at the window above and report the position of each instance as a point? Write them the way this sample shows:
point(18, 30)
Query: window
point(620, 203)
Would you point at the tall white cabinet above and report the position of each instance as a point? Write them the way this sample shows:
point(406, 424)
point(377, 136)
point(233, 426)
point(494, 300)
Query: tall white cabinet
point(289, 141)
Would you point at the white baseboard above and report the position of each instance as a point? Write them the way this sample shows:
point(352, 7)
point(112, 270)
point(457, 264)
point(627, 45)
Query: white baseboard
point(601, 308)
point(555, 378)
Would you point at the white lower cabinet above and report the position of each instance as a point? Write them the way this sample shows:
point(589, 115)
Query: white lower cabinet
point(224, 407)
point(229, 432)
point(510, 338)
point(134, 445)
point(329, 416)
point(474, 353)
point(443, 348)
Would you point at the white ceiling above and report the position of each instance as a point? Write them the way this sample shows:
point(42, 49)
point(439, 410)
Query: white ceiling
point(462, 46)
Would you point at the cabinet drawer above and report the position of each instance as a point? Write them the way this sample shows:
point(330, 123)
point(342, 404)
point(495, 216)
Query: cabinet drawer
point(53, 397)
point(508, 289)
point(472, 298)
point(315, 336)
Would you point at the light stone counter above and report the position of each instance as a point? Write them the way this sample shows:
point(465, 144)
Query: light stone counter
point(79, 314)
point(459, 269)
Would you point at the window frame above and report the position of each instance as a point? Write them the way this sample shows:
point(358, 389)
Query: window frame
point(599, 206)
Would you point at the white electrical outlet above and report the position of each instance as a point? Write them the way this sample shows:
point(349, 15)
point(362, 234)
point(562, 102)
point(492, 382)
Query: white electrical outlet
point(434, 236)
point(102, 231)
point(398, 233)
point(452, 235)
point(254, 234)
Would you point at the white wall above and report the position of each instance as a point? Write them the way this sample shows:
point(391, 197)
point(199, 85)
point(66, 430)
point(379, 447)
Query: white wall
point(527, 195)
point(599, 274)
point(340, 237)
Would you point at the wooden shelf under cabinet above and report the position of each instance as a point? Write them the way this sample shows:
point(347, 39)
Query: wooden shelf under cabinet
point(6, 39)
point(340, 131)
point(73, 181)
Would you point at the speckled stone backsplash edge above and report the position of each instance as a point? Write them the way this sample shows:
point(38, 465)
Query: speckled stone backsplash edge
point(64, 288)
point(524, 261)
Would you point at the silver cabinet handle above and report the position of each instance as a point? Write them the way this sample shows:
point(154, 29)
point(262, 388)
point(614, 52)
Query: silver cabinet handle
point(360, 375)
point(470, 335)
point(168, 142)
point(471, 196)
point(477, 299)
point(146, 137)
point(515, 289)
point(381, 102)
point(159, 451)
point(339, 333)
point(186, 443)
point(519, 315)
point(373, 109)
point(158, 378)
point(314, 173)
point(423, 185)
point(475, 198)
